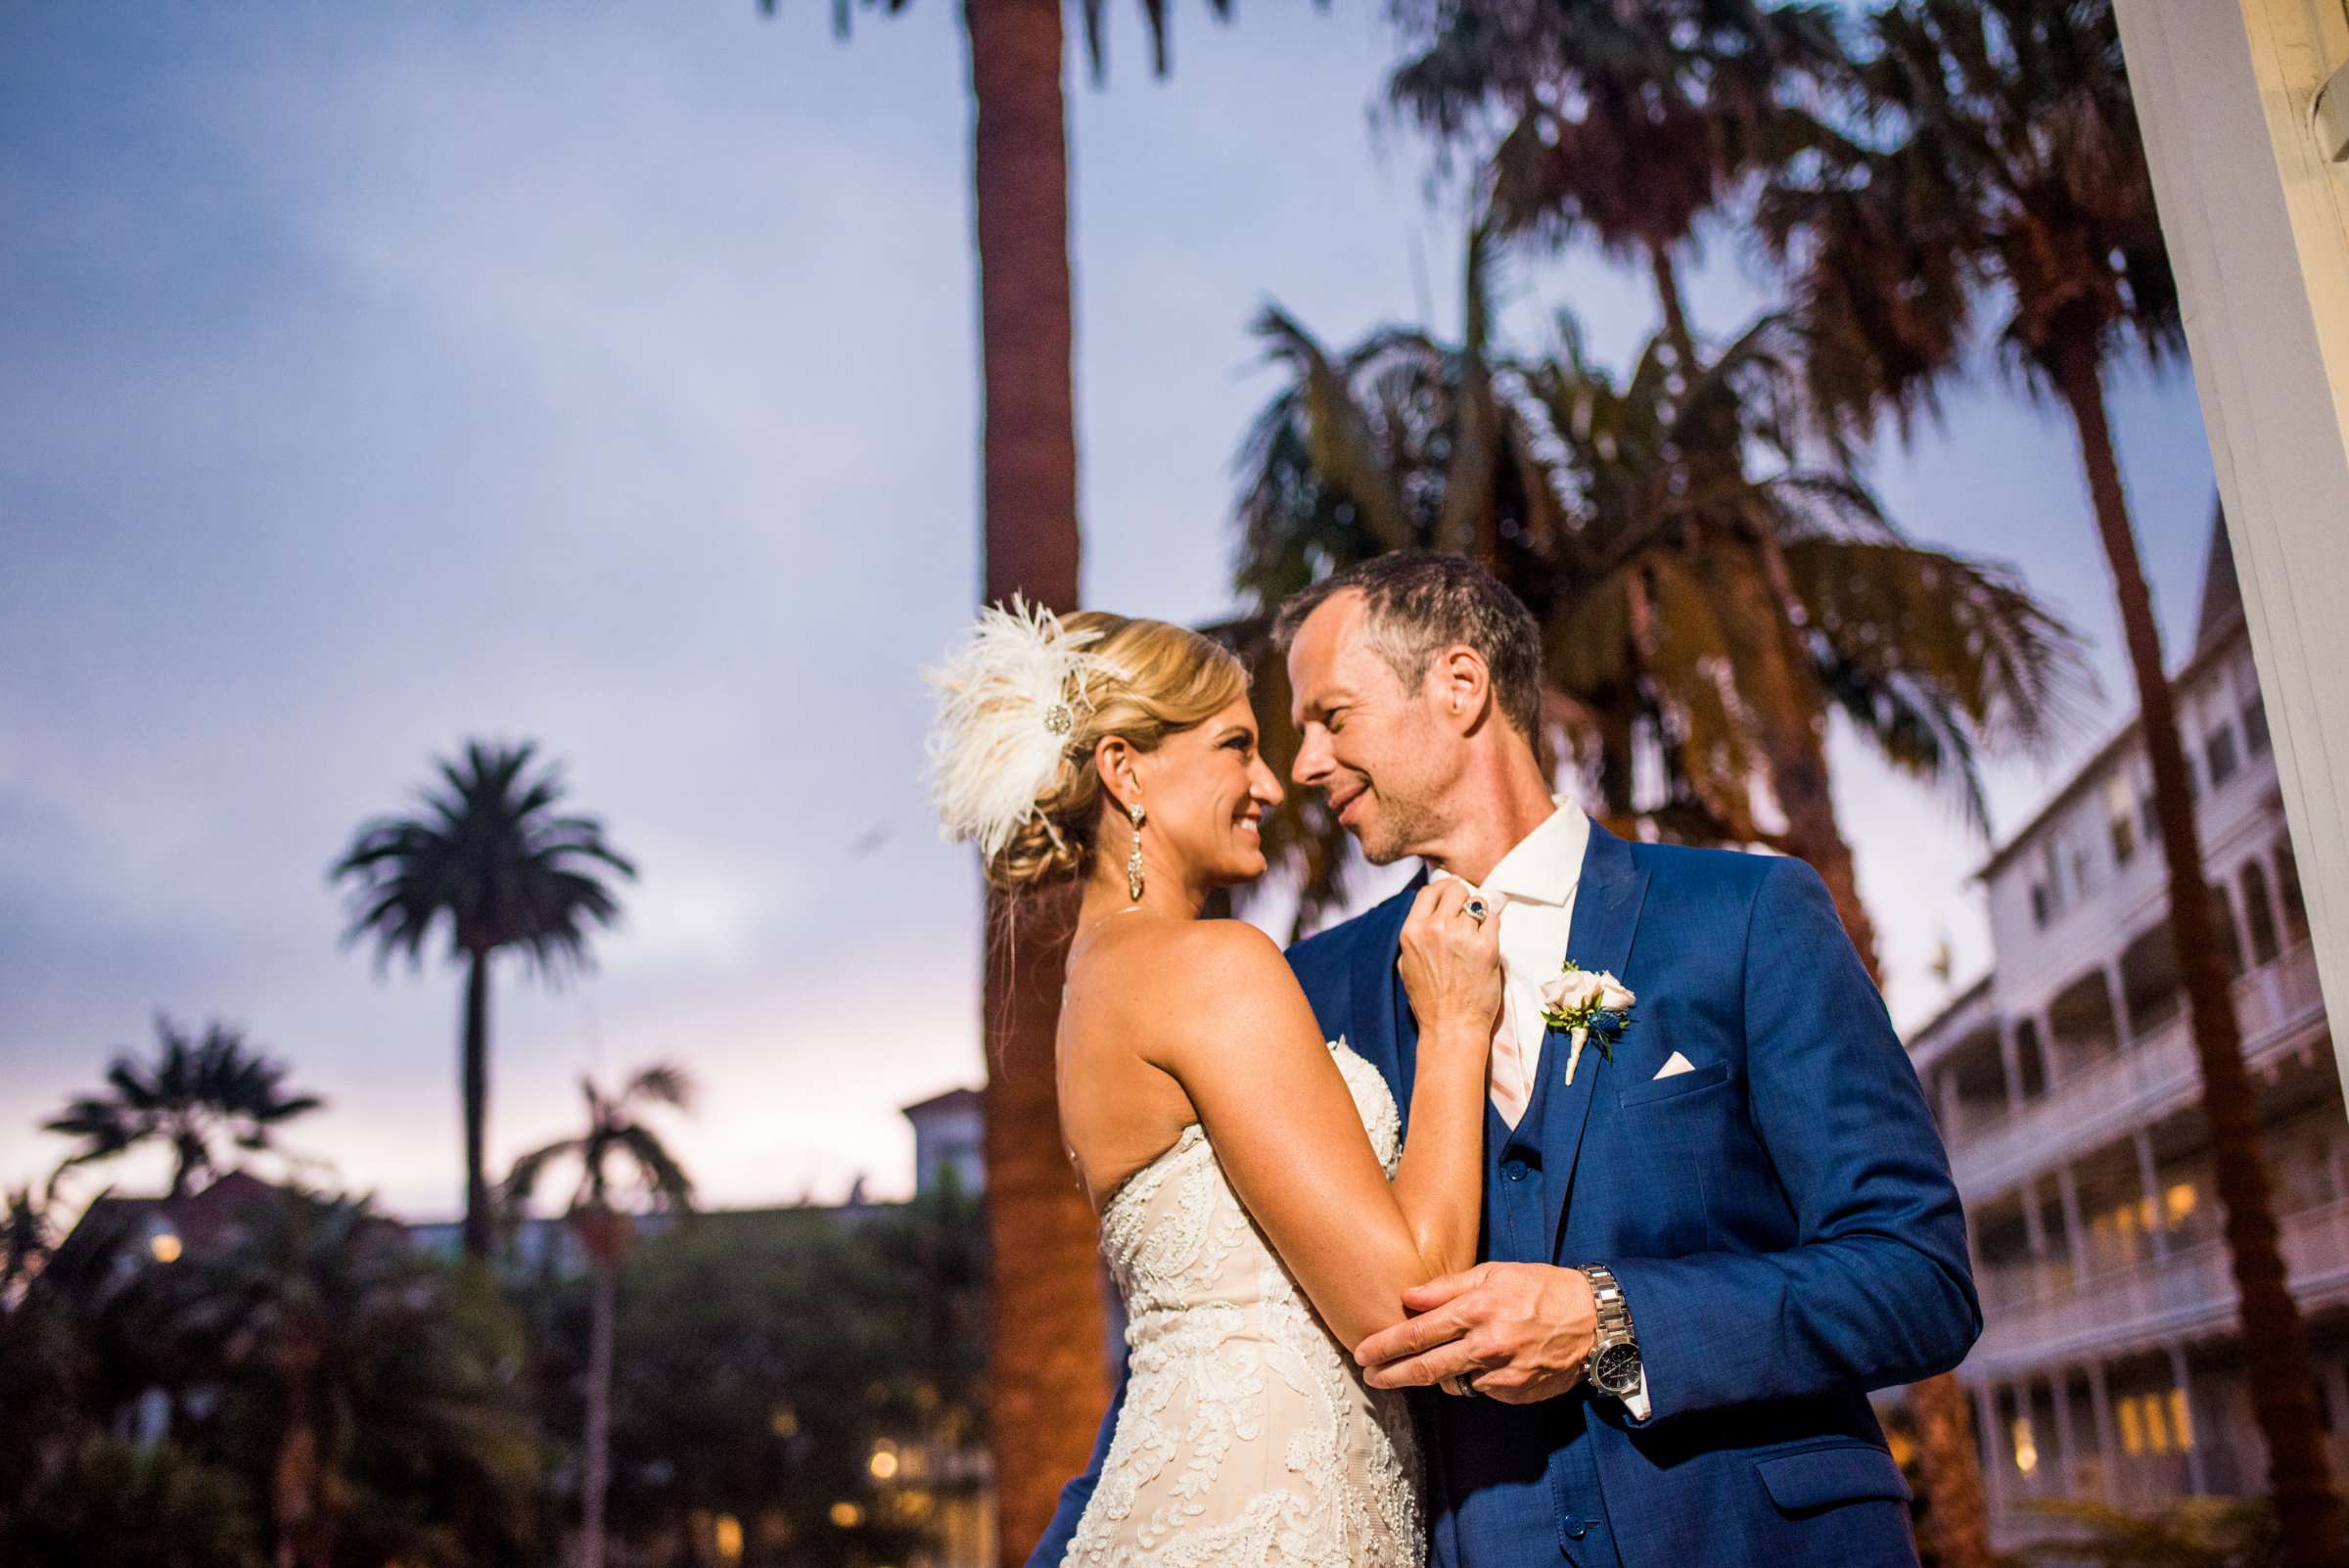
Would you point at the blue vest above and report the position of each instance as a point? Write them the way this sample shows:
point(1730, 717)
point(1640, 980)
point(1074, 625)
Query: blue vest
point(1499, 1464)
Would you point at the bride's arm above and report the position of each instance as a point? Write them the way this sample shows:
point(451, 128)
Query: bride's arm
point(1237, 1031)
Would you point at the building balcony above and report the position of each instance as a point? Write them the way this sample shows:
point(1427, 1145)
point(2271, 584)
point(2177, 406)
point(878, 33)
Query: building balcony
point(2039, 1316)
point(2280, 1008)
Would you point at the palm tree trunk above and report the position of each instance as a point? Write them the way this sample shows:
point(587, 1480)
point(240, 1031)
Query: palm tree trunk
point(1675, 313)
point(294, 1481)
point(474, 1088)
point(596, 1463)
point(1047, 1362)
point(2275, 1341)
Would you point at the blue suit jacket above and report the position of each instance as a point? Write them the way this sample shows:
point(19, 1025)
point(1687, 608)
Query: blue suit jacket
point(1781, 1219)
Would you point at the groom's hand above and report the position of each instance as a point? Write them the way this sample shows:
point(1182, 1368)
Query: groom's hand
point(1522, 1332)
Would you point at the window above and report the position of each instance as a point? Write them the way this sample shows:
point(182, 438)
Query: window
point(2040, 905)
point(2155, 1422)
point(2120, 810)
point(2255, 725)
point(2258, 913)
point(2288, 883)
point(2228, 938)
point(2218, 754)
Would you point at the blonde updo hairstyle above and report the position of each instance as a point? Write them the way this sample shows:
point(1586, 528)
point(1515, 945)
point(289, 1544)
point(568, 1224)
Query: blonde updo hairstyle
point(1152, 679)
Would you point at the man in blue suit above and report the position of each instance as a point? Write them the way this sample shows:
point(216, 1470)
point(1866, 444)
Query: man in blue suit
point(1707, 1234)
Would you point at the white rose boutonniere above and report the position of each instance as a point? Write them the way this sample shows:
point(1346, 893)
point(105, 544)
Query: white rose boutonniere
point(1588, 1004)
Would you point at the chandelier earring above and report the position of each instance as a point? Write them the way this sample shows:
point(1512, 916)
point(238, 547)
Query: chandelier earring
point(1133, 861)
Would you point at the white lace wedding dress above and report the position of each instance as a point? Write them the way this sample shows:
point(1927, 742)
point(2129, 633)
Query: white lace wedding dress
point(1247, 1438)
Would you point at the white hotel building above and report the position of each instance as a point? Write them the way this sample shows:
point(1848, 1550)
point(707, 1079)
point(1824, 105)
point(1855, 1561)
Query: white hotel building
point(2065, 1083)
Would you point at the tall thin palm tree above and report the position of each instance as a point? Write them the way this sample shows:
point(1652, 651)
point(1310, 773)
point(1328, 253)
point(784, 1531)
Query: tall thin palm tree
point(1049, 1370)
point(616, 1130)
point(196, 1094)
point(493, 859)
point(1994, 174)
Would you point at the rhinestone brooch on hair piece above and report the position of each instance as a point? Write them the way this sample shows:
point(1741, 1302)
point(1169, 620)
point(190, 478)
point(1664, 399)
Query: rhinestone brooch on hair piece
point(1058, 719)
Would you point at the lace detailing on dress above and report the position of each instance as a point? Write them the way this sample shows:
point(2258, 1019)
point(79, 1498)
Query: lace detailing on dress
point(1247, 1439)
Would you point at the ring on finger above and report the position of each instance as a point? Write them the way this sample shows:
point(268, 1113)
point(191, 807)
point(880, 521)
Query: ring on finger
point(1477, 908)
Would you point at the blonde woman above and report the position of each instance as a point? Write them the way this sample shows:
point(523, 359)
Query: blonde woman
point(1260, 1209)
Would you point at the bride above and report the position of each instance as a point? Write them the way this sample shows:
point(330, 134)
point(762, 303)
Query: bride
point(1259, 1208)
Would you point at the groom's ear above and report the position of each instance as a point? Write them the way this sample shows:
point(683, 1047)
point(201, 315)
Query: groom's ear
point(1461, 685)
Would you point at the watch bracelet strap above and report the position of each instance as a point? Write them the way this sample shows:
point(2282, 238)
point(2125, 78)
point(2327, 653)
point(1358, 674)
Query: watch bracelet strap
point(1614, 1312)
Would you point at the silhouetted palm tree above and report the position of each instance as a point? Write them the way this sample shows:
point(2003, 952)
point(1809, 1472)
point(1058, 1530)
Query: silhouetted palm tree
point(332, 1333)
point(194, 1095)
point(492, 858)
point(1996, 172)
point(615, 1129)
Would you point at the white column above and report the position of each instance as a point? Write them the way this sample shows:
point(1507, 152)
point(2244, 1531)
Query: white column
point(2034, 1226)
point(1997, 1458)
point(2256, 215)
point(2075, 1233)
point(2109, 1442)
point(2157, 1235)
point(2059, 1385)
point(2010, 1058)
point(2197, 1481)
point(2117, 998)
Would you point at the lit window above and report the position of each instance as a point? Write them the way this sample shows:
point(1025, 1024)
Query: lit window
point(2182, 1419)
point(2133, 1439)
point(2026, 1446)
point(2178, 1202)
point(848, 1516)
point(726, 1537)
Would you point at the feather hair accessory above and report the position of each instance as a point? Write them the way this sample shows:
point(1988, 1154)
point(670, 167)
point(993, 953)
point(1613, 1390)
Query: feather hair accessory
point(1007, 705)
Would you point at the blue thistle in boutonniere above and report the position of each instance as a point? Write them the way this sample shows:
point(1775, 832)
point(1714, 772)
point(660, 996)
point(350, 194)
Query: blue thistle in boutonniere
point(1588, 1004)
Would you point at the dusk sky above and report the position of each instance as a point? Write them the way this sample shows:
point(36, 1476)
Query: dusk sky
point(606, 374)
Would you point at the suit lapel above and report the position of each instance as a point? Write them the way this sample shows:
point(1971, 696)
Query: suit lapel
point(1383, 1009)
point(1606, 912)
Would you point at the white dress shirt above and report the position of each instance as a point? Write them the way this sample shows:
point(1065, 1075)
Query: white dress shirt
point(1533, 891)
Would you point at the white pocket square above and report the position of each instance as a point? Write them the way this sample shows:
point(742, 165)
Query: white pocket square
point(1675, 1064)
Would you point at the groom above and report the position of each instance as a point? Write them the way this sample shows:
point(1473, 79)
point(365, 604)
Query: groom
point(1708, 1236)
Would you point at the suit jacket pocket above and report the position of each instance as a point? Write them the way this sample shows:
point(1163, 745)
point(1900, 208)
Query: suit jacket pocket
point(1664, 1089)
point(1821, 1478)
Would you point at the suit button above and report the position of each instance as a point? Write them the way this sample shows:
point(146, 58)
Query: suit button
point(1575, 1526)
point(1513, 1171)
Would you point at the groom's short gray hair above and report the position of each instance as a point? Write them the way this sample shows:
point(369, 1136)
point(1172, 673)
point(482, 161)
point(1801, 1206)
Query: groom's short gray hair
point(1417, 603)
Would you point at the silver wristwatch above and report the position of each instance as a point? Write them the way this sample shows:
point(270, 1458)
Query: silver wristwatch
point(1615, 1354)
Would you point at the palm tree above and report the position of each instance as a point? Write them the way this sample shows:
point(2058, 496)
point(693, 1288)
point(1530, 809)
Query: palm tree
point(1629, 122)
point(1049, 1376)
point(615, 1128)
point(1996, 169)
point(195, 1094)
point(25, 1241)
point(491, 857)
point(331, 1333)
point(1615, 513)
point(1656, 556)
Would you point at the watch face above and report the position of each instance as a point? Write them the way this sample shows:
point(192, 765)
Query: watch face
point(1616, 1370)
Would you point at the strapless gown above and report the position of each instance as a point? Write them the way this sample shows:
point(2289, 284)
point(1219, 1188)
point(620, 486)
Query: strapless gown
point(1247, 1438)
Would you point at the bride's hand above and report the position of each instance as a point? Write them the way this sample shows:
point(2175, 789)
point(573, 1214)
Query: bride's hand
point(1450, 962)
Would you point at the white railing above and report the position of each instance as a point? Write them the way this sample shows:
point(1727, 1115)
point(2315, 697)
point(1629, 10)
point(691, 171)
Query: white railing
point(2151, 1302)
point(2273, 1004)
